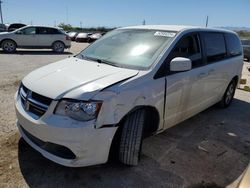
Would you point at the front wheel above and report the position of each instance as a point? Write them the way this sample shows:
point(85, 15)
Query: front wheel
point(58, 47)
point(131, 138)
point(228, 95)
point(9, 46)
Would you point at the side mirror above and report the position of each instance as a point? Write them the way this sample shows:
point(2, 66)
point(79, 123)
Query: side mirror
point(179, 64)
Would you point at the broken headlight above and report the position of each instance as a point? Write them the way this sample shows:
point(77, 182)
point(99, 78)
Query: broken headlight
point(78, 110)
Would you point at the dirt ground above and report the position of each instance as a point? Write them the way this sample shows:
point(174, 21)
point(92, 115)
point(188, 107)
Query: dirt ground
point(212, 149)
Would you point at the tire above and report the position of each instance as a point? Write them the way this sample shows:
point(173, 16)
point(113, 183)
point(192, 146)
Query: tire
point(9, 46)
point(228, 95)
point(131, 138)
point(58, 47)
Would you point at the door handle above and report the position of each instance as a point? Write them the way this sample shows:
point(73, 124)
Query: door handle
point(202, 75)
point(211, 71)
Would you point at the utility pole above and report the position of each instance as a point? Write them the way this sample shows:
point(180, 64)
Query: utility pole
point(1, 13)
point(207, 21)
point(144, 22)
point(67, 14)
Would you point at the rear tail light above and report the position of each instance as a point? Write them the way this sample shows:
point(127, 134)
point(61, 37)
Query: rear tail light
point(67, 37)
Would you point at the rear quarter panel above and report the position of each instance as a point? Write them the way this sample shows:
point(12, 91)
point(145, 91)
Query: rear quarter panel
point(60, 37)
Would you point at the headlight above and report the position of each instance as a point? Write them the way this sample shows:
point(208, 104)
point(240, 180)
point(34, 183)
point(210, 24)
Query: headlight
point(78, 110)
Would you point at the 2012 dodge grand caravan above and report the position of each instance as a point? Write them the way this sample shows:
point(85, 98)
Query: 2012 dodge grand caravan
point(132, 83)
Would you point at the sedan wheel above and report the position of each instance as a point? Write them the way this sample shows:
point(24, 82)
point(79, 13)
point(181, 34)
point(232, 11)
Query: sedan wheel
point(9, 46)
point(58, 47)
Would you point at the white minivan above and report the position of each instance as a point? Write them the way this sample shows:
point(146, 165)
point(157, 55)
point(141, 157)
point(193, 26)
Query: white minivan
point(131, 83)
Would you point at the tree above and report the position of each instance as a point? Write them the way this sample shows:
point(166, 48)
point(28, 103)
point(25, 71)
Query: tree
point(66, 27)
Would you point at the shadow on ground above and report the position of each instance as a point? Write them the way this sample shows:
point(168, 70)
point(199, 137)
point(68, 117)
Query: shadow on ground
point(211, 149)
point(36, 52)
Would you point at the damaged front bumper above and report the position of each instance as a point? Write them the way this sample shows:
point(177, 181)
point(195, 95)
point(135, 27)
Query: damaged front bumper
point(63, 140)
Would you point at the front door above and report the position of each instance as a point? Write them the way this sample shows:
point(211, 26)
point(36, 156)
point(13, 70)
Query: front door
point(185, 91)
point(26, 37)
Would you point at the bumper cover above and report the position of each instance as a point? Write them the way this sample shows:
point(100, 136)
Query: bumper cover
point(89, 145)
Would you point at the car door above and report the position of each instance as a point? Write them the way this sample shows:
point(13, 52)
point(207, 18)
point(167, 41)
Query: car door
point(185, 91)
point(217, 64)
point(26, 37)
point(45, 37)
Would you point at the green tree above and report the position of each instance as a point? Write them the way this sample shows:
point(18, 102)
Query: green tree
point(66, 27)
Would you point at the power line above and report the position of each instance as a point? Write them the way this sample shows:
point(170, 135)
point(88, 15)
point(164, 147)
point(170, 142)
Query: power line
point(1, 13)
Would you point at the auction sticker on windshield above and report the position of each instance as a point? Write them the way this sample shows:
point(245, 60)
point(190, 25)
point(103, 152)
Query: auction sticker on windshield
point(164, 34)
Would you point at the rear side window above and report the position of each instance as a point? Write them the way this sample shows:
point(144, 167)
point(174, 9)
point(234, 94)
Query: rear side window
point(215, 46)
point(43, 30)
point(56, 31)
point(233, 44)
point(48, 31)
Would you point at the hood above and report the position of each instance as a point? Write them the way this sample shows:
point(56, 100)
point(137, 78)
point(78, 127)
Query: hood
point(4, 33)
point(75, 78)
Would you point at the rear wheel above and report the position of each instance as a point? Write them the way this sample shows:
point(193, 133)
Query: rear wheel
point(9, 46)
point(58, 47)
point(131, 138)
point(228, 95)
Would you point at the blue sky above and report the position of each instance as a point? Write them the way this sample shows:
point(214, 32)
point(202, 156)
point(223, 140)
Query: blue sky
point(115, 13)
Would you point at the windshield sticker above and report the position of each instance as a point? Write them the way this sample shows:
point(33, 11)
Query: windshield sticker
point(164, 34)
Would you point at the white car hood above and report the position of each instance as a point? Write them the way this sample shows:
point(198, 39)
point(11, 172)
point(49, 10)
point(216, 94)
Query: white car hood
point(74, 78)
point(4, 35)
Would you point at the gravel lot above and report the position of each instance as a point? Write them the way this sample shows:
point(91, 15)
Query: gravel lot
point(211, 149)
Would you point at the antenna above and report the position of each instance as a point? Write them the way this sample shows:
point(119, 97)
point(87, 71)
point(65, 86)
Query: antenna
point(1, 12)
point(207, 21)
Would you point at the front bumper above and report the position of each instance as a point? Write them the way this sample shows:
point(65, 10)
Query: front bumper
point(89, 145)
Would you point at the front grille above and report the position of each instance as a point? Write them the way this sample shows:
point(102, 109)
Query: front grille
point(33, 103)
point(41, 99)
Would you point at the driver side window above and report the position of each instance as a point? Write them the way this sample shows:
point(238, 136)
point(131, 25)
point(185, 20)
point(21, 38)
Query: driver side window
point(29, 31)
point(188, 47)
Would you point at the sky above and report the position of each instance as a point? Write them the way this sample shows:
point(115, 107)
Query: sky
point(118, 13)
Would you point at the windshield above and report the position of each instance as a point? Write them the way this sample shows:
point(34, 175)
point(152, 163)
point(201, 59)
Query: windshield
point(129, 48)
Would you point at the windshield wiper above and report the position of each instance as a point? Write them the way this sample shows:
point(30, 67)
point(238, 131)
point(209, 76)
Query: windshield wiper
point(100, 60)
point(87, 57)
point(108, 62)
